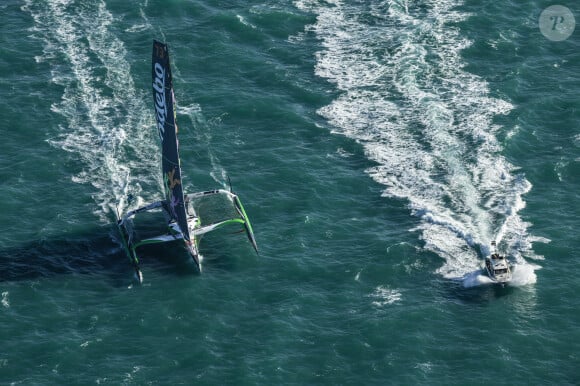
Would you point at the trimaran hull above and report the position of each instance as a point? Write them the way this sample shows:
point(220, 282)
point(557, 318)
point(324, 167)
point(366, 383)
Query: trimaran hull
point(182, 219)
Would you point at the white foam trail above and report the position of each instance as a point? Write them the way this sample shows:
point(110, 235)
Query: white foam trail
point(108, 126)
point(425, 121)
point(524, 274)
point(5, 300)
point(476, 279)
point(385, 296)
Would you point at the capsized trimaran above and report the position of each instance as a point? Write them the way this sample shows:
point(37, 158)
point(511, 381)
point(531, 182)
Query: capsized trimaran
point(184, 223)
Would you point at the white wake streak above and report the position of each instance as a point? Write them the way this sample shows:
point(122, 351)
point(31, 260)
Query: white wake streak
point(425, 121)
point(108, 125)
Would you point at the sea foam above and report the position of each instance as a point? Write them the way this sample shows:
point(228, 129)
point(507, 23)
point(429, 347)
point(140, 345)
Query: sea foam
point(426, 122)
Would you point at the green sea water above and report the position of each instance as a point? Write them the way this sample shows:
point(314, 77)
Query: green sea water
point(378, 147)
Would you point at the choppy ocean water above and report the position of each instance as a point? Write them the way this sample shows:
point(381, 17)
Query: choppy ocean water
point(378, 146)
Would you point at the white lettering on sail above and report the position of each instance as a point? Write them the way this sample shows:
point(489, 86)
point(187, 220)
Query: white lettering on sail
point(160, 105)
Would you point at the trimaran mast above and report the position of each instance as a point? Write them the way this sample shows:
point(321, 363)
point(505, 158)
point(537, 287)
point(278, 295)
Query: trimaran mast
point(165, 117)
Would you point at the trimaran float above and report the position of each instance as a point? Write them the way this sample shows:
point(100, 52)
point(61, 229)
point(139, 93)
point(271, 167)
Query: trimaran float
point(497, 266)
point(179, 209)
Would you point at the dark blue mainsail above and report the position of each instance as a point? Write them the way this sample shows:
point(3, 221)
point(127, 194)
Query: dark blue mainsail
point(167, 127)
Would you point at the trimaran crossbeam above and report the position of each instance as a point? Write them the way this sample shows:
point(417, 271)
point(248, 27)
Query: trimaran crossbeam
point(182, 219)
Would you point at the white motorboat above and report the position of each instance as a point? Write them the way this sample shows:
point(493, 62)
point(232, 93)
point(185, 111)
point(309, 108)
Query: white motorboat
point(498, 267)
